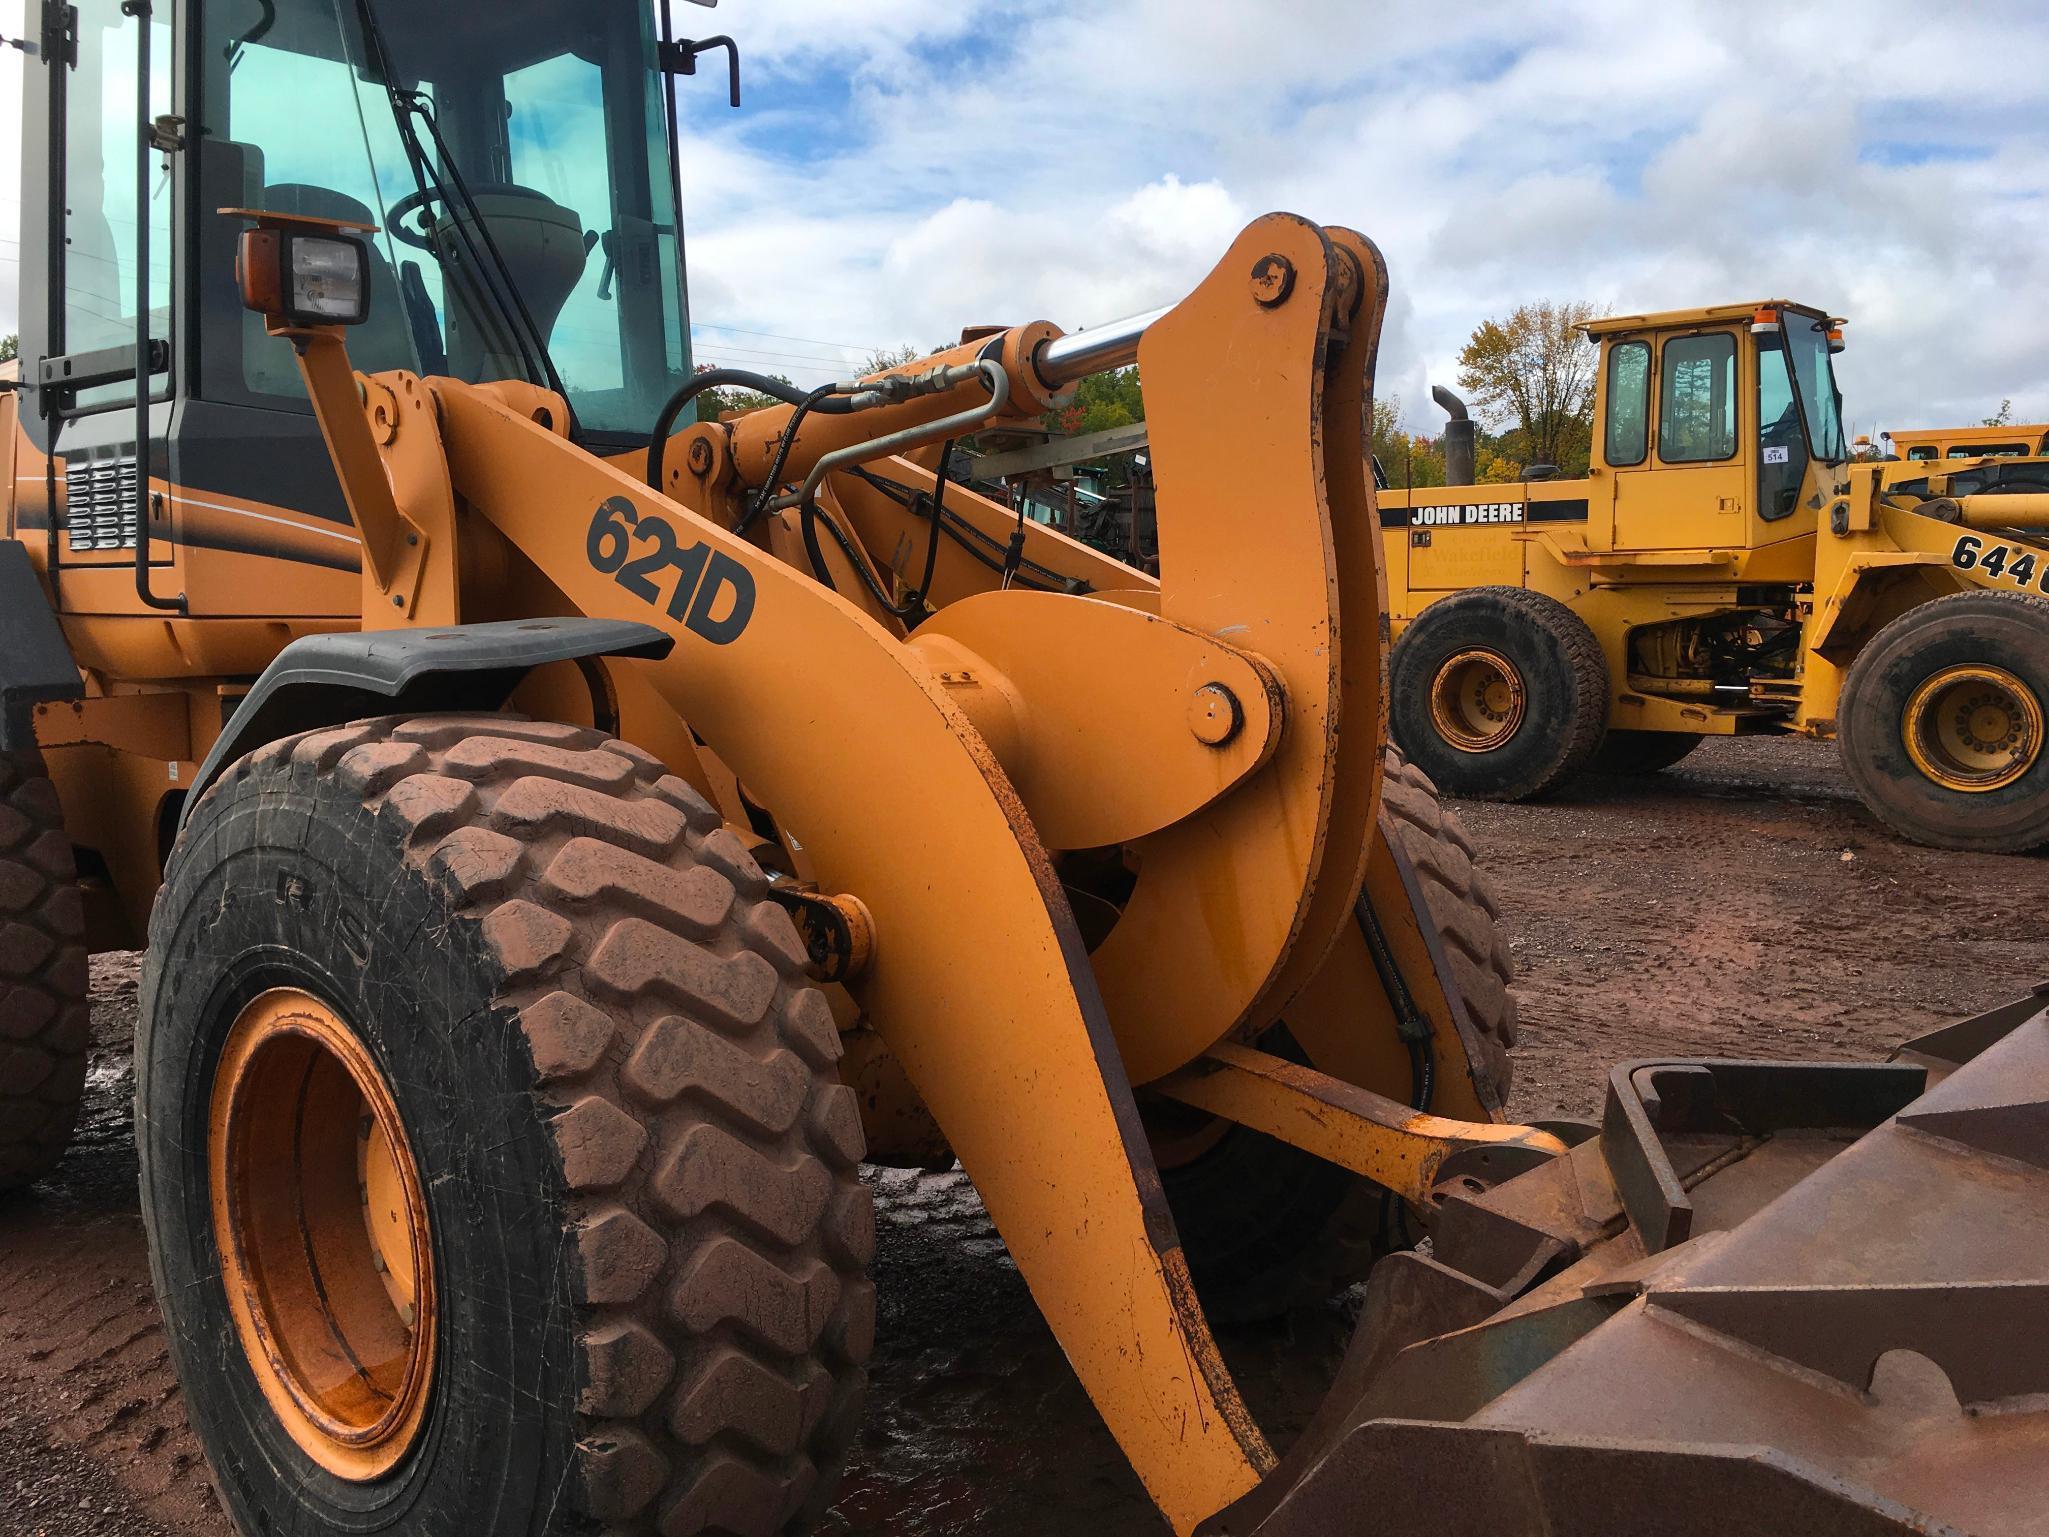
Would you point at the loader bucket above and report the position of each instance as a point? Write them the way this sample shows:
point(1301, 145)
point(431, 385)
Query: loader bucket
point(1760, 1298)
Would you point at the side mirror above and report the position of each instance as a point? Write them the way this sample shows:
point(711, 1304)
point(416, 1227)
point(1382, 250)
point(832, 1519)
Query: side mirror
point(1540, 472)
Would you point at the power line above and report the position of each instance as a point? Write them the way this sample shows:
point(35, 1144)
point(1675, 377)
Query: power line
point(750, 358)
point(713, 344)
point(816, 341)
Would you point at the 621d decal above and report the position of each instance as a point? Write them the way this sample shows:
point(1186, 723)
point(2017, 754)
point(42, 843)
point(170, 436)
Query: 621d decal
point(2002, 562)
point(707, 580)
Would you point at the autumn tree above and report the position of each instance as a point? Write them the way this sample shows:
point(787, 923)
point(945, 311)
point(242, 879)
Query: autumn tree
point(1531, 377)
point(1101, 401)
point(1406, 459)
point(713, 404)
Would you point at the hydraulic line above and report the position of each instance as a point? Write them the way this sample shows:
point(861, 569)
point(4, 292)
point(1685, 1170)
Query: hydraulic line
point(962, 532)
point(719, 378)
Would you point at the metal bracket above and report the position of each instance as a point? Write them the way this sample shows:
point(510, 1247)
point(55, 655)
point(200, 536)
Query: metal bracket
point(680, 58)
point(838, 933)
point(1752, 1098)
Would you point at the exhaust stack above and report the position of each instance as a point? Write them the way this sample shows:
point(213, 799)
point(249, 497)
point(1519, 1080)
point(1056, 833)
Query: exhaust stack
point(1458, 437)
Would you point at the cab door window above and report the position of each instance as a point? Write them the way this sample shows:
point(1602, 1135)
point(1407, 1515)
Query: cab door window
point(1781, 444)
point(1697, 399)
point(1628, 404)
point(99, 212)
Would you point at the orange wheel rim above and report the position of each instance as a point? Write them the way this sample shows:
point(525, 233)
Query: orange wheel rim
point(1477, 700)
point(1973, 729)
point(322, 1229)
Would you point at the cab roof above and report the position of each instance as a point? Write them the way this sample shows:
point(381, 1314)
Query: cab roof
point(1714, 314)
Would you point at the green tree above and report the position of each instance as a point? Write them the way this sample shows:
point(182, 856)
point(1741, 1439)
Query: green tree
point(10, 347)
point(1532, 374)
point(1101, 401)
point(713, 404)
point(1406, 459)
point(2004, 416)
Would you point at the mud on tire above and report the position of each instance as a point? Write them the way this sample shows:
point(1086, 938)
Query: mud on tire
point(44, 1018)
point(1267, 1227)
point(640, 1169)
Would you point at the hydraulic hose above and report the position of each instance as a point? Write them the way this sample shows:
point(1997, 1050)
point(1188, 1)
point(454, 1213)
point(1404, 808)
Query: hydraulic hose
point(719, 378)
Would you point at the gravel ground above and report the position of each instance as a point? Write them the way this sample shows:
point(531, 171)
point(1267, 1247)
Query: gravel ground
point(1740, 904)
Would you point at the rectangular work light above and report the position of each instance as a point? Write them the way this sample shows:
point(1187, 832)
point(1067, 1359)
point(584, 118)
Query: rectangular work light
point(303, 278)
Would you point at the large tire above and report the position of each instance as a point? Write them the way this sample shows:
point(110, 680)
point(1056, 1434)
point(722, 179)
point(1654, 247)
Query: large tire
point(44, 1017)
point(637, 1167)
point(1498, 694)
point(1913, 683)
point(1641, 752)
point(1462, 904)
point(1267, 1227)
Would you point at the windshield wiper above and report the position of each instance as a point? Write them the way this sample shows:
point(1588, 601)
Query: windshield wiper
point(466, 219)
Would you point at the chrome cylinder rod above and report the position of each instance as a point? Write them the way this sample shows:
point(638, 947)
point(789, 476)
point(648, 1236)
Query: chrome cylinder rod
point(1097, 350)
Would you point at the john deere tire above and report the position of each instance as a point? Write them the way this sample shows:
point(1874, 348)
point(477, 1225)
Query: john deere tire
point(1941, 723)
point(44, 1019)
point(1266, 1227)
point(1641, 752)
point(495, 1166)
point(1498, 694)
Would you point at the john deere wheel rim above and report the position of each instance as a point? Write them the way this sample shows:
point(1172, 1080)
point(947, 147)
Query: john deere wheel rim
point(1477, 700)
point(321, 1225)
point(1973, 729)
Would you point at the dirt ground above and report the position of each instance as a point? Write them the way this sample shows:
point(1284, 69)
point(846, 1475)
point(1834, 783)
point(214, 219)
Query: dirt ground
point(1740, 905)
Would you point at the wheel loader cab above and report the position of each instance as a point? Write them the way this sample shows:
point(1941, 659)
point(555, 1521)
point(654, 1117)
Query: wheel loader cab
point(1713, 429)
point(512, 161)
point(523, 142)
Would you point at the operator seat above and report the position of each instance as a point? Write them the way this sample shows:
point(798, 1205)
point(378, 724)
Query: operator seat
point(545, 248)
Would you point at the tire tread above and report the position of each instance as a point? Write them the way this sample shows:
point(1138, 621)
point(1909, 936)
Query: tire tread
point(45, 1024)
point(707, 1202)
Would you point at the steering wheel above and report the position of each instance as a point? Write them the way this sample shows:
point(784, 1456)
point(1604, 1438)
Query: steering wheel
point(395, 216)
point(412, 202)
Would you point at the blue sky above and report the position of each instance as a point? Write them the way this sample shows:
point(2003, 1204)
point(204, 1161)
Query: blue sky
point(901, 168)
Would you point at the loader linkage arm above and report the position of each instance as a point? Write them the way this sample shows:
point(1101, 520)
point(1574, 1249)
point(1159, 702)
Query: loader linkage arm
point(932, 771)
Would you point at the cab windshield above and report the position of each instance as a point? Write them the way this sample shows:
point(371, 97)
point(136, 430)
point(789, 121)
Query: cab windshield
point(1814, 377)
point(529, 228)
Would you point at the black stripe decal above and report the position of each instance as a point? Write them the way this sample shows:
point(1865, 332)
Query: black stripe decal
point(1477, 514)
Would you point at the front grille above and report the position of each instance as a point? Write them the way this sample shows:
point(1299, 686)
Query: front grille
point(99, 505)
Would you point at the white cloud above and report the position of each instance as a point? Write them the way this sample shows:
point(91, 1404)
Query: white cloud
point(927, 164)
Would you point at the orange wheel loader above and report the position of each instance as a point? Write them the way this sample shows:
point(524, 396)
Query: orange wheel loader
point(570, 836)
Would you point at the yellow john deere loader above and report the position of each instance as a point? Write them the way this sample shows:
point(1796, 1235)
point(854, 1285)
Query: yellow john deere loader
point(568, 843)
point(1723, 569)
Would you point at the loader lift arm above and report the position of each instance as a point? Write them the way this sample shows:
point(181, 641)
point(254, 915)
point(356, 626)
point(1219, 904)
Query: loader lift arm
point(1251, 685)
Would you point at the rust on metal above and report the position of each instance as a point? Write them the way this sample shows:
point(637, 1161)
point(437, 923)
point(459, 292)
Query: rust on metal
point(321, 1223)
point(1846, 1342)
